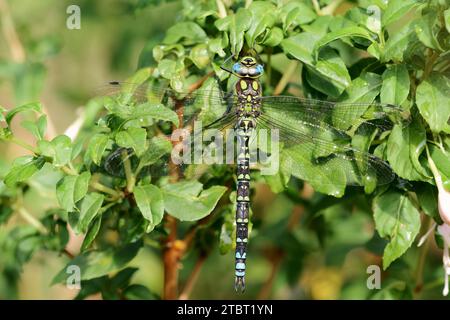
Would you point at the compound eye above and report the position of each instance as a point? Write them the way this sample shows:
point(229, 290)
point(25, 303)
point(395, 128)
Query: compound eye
point(236, 68)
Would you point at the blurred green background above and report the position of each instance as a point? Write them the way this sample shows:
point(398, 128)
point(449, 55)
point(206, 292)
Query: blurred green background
point(62, 68)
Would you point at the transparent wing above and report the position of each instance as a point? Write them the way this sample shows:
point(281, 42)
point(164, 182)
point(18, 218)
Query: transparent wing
point(338, 115)
point(322, 154)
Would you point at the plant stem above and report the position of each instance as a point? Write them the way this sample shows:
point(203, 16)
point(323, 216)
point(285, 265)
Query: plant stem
point(171, 257)
point(193, 277)
point(101, 187)
point(28, 217)
point(23, 144)
point(131, 180)
point(418, 274)
point(285, 78)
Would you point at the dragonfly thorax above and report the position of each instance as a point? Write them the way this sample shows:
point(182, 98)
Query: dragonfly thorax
point(249, 93)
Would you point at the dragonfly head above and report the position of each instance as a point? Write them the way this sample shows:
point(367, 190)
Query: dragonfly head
point(248, 67)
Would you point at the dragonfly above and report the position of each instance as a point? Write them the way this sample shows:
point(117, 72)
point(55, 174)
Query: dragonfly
point(323, 141)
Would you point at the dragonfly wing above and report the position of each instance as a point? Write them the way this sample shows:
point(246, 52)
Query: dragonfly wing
point(321, 154)
point(341, 116)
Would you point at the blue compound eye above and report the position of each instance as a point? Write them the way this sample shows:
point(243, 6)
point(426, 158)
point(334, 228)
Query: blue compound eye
point(259, 69)
point(236, 67)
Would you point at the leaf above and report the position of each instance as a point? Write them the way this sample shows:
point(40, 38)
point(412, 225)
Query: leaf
point(447, 19)
point(396, 9)
point(428, 199)
point(296, 13)
point(59, 149)
point(396, 218)
point(395, 88)
point(97, 147)
point(150, 202)
point(37, 129)
point(363, 89)
point(404, 147)
point(187, 201)
point(353, 31)
point(157, 148)
point(236, 25)
point(139, 292)
point(200, 56)
point(94, 264)
point(90, 207)
point(134, 138)
point(398, 43)
point(263, 18)
point(91, 234)
point(301, 46)
point(273, 38)
point(433, 102)
point(186, 33)
point(329, 75)
point(34, 106)
point(425, 31)
point(156, 111)
point(71, 189)
point(22, 169)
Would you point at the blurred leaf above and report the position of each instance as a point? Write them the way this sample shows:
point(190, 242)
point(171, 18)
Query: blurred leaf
point(404, 148)
point(396, 9)
point(97, 147)
point(150, 201)
point(236, 25)
point(139, 292)
point(399, 41)
point(263, 18)
point(94, 264)
point(396, 218)
point(396, 84)
point(34, 106)
point(59, 149)
point(158, 147)
point(22, 169)
point(71, 189)
point(37, 129)
point(200, 56)
point(433, 102)
point(91, 234)
point(425, 33)
point(90, 207)
point(185, 32)
point(135, 138)
point(296, 13)
point(187, 201)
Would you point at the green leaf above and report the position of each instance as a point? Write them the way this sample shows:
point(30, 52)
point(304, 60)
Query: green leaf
point(157, 148)
point(298, 162)
point(398, 43)
point(170, 69)
point(396, 9)
point(185, 32)
point(90, 207)
point(200, 56)
point(34, 106)
point(91, 234)
point(426, 30)
point(97, 147)
point(329, 75)
point(404, 147)
point(397, 219)
point(138, 292)
point(428, 199)
point(22, 169)
point(187, 201)
point(71, 189)
point(135, 138)
point(263, 18)
point(273, 38)
point(38, 128)
point(156, 111)
point(432, 98)
point(59, 149)
point(447, 19)
point(341, 33)
point(301, 46)
point(396, 85)
point(94, 264)
point(296, 13)
point(236, 25)
point(363, 89)
point(150, 202)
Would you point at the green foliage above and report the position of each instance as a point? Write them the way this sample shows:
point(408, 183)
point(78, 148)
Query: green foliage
point(400, 57)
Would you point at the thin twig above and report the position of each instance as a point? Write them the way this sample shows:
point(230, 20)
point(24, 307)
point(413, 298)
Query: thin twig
point(421, 260)
point(192, 279)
